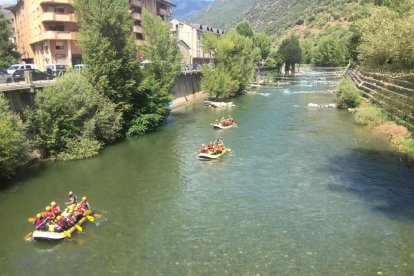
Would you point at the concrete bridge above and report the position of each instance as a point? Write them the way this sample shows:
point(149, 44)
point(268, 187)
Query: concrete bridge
point(22, 94)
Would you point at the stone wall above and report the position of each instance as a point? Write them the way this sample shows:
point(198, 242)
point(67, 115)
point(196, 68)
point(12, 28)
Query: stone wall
point(394, 96)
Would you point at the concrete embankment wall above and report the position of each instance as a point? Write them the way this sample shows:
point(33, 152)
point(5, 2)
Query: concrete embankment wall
point(187, 89)
point(19, 99)
point(394, 96)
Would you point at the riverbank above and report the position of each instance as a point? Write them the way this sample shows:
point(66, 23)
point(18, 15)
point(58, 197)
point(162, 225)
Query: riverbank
point(399, 136)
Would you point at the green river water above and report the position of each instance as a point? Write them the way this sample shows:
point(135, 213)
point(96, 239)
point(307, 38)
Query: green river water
point(303, 192)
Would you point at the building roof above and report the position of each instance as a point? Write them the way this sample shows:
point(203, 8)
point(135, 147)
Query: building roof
point(185, 44)
point(168, 2)
point(207, 28)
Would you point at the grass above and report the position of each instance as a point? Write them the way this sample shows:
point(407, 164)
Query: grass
point(370, 115)
point(407, 146)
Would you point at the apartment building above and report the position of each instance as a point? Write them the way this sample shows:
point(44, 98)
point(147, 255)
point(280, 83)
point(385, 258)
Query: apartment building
point(46, 29)
point(189, 41)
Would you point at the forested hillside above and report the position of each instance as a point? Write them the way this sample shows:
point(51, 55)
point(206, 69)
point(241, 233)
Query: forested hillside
point(273, 15)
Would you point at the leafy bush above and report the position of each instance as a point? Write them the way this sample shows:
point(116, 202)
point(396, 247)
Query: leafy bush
point(408, 146)
point(347, 94)
point(13, 142)
point(300, 21)
point(369, 115)
point(71, 114)
point(145, 123)
point(80, 148)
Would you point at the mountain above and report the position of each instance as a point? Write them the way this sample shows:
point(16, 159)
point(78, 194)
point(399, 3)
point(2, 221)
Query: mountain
point(185, 8)
point(275, 16)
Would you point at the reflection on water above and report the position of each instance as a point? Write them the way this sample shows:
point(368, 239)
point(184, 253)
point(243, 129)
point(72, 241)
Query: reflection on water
point(303, 192)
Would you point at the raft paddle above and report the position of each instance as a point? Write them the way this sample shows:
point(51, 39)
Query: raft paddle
point(78, 227)
point(91, 218)
point(67, 233)
point(28, 235)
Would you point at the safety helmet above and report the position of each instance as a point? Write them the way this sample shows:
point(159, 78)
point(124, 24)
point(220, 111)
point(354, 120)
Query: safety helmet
point(70, 193)
point(84, 198)
point(38, 215)
point(58, 217)
point(52, 203)
point(47, 208)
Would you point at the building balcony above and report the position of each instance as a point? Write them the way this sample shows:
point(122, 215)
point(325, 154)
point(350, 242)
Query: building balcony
point(67, 2)
point(164, 12)
point(137, 29)
point(136, 3)
point(51, 16)
point(54, 35)
point(136, 16)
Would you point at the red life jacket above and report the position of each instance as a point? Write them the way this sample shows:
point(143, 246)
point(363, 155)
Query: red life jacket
point(55, 210)
point(49, 215)
point(38, 222)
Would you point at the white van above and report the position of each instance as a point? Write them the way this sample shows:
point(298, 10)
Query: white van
point(15, 67)
point(79, 67)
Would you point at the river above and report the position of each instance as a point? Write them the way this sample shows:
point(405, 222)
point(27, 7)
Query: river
point(303, 192)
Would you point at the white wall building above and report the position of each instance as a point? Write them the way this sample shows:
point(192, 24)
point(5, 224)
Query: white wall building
point(189, 41)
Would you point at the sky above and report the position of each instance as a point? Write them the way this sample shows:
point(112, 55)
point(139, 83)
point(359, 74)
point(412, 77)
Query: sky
point(7, 2)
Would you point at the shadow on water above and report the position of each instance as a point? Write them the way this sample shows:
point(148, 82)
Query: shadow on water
point(377, 177)
point(32, 170)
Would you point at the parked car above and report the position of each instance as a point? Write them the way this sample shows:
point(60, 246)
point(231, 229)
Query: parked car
point(18, 75)
point(15, 67)
point(56, 69)
point(3, 77)
point(79, 67)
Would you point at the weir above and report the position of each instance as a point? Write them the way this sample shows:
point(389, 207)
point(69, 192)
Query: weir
point(20, 95)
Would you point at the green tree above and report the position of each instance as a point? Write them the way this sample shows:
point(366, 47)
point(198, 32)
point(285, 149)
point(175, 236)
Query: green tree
point(245, 29)
point(330, 51)
point(217, 83)
point(109, 49)
point(234, 65)
point(291, 52)
point(8, 55)
point(307, 46)
point(159, 75)
point(13, 141)
point(387, 36)
point(72, 120)
point(274, 61)
point(262, 42)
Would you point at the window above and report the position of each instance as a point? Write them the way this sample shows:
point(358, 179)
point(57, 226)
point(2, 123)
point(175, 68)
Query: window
point(61, 59)
point(60, 45)
point(56, 27)
point(59, 9)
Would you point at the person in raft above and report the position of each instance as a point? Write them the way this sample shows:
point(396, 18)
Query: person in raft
point(39, 222)
point(85, 204)
point(49, 214)
point(73, 199)
point(62, 223)
point(203, 148)
point(55, 208)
